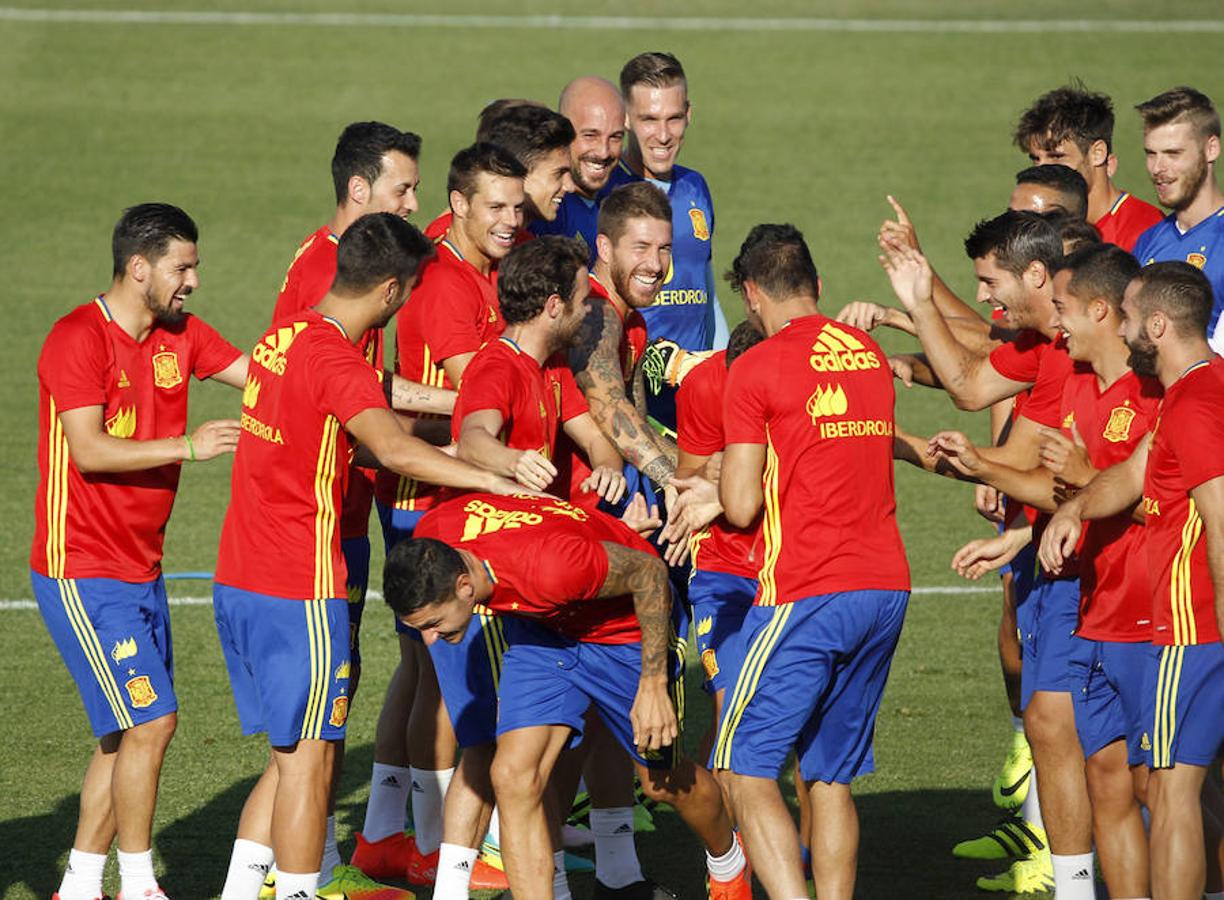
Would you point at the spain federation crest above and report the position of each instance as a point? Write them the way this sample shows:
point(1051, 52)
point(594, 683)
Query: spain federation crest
point(141, 692)
point(339, 712)
point(166, 372)
point(1117, 429)
point(1198, 260)
point(709, 662)
point(701, 230)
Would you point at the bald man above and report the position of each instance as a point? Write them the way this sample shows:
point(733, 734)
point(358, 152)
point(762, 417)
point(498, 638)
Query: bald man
point(595, 109)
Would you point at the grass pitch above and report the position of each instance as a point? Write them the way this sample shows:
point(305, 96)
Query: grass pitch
point(237, 123)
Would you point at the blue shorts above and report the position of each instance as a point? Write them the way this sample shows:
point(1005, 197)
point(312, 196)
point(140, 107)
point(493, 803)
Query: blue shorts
point(1024, 570)
point(398, 525)
point(548, 679)
point(356, 552)
point(114, 637)
point(720, 601)
point(1045, 641)
point(288, 663)
point(469, 673)
point(1183, 704)
point(812, 678)
point(1107, 691)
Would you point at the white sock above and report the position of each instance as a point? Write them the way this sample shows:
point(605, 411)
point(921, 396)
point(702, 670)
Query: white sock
point(561, 889)
point(1214, 895)
point(1030, 810)
point(388, 803)
point(296, 885)
point(616, 859)
point(1018, 724)
point(83, 876)
point(1073, 877)
point(727, 866)
point(495, 828)
point(249, 865)
point(331, 853)
point(455, 864)
point(428, 791)
point(136, 873)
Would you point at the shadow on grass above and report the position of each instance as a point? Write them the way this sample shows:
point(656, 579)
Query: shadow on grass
point(38, 842)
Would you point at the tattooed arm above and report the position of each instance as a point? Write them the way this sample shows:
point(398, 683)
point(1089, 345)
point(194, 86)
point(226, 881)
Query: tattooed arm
point(412, 396)
point(597, 369)
point(644, 576)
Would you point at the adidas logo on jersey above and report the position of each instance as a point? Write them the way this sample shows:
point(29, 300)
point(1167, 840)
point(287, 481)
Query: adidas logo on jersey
point(835, 350)
point(270, 352)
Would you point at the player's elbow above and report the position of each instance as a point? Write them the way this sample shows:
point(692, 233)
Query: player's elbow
point(968, 399)
point(740, 507)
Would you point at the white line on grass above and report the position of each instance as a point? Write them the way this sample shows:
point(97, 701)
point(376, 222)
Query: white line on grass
point(12, 605)
point(612, 23)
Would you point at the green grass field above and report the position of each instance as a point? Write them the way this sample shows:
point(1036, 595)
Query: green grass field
point(237, 124)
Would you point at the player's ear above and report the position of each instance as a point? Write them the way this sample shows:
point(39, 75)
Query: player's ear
point(359, 190)
point(1098, 154)
point(1156, 324)
point(137, 268)
point(554, 306)
point(459, 204)
point(603, 247)
point(1212, 148)
point(688, 113)
point(1037, 274)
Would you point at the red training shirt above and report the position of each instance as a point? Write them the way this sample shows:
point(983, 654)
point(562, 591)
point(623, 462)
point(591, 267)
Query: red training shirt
point(1185, 452)
point(546, 558)
point(280, 535)
point(112, 524)
point(819, 396)
point(1128, 218)
point(699, 430)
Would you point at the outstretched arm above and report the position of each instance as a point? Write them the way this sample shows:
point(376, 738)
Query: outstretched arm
point(412, 396)
point(597, 369)
point(93, 449)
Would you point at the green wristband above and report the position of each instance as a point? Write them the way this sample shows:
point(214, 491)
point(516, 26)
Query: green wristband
point(191, 457)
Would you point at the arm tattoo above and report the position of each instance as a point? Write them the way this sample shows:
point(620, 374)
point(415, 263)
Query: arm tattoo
point(644, 576)
point(659, 470)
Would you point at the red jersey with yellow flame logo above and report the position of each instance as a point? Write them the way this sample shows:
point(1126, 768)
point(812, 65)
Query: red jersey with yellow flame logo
point(454, 310)
point(533, 400)
point(1116, 602)
point(308, 280)
point(1128, 218)
point(112, 524)
point(281, 535)
point(547, 560)
point(819, 396)
point(1184, 454)
point(699, 430)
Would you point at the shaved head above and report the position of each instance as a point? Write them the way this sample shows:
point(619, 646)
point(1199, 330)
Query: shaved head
point(596, 109)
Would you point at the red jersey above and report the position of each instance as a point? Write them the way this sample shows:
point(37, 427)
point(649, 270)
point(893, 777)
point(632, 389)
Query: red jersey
point(308, 280)
point(1115, 604)
point(546, 559)
point(699, 430)
point(280, 536)
point(452, 311)
point(1128, 218)
point(819, 396)
point(112, 524)
point(533, 400)
point(1185, 452)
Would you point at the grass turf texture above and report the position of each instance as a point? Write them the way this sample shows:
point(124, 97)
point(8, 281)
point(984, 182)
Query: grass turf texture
point(237, 126)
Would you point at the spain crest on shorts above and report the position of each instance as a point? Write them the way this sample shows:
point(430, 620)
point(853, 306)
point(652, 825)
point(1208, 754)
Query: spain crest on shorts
point(701, 230)
point(1198, 260)
point(1117, 429)
point(709, 662)
point(141, 692)
point(339, 712)
point(166, 372)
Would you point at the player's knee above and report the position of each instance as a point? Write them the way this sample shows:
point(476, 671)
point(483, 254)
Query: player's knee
point(155, 733)
point(1046, 723)
point(516, 780)
point(1109, 780)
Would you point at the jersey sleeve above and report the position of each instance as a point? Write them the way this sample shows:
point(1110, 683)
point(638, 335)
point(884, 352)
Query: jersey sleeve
point(745, 402)
point(342, 383)
point(1020, 359)
point(211, 353)
point(449, 311)
point(73, 366)
point(699, 411)
point(309, 278)
point(1044, 402)
point(1196, 434)
point(573, 402)
point(487, 383)
point(570, 567)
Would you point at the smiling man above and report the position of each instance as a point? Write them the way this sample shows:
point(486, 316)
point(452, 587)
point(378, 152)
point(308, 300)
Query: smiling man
point(1181, 139)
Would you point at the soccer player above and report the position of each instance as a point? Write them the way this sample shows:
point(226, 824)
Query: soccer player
point(1051, 188)
point(374, 169)
point(112, 384)
point(634, 247)
point(1180, 477)
point(279, 597)
point(1106, 411)
point(1071, 126)
point(588, 620)
point(685, 312)
point(1181, 138)
point(834, 581)
point(453, 312)
point(596, 110)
